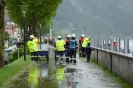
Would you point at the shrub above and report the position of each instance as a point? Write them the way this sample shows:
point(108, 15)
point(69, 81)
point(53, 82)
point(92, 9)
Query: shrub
point(14, 55)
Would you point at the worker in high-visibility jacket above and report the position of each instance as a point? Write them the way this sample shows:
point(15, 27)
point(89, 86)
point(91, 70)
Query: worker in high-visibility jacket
point(84, 45)
point(81, 39)
point(32, 46)
point(60, 47)
point(73, 48)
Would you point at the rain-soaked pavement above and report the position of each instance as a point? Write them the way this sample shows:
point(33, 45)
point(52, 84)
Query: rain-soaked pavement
point(81, 75)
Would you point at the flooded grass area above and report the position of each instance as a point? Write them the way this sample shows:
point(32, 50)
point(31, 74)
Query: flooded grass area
point(9, 70)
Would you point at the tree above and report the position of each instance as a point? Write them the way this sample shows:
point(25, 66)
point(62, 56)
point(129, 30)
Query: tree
point(36, 11)
point(7, 35)
point(2, 32)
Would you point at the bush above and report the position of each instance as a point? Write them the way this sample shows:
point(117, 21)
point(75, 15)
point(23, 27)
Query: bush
point(14, 55)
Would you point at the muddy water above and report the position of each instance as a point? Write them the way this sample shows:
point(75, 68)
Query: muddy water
point(81, 75)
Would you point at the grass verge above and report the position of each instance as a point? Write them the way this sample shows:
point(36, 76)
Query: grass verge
point(121, 81)
point(11, 69)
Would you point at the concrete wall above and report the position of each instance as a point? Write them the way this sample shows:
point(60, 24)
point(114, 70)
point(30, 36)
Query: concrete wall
point(118, 63)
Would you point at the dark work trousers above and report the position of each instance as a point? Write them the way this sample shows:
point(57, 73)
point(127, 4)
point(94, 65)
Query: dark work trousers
point(60, 54)
point(33, 54)
point(67, 55)
point(83, 51)
point(88, 56)
point(73, 55)
point(80, 51)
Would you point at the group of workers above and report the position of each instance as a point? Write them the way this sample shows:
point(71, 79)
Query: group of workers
point(71, 46)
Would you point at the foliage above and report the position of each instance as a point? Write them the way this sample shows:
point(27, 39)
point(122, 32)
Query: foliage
point(105, 17)
point(37, 11)
point(14, 55)
point(7, 36)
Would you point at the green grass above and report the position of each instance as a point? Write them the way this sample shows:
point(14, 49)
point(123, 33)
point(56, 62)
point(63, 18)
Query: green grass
point(121, 81)
point(9, 70)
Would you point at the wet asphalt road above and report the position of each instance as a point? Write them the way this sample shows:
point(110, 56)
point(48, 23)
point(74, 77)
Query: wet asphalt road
point(81, 75)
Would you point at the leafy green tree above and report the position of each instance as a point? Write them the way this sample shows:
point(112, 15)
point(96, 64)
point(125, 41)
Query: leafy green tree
point(37, 11)
point(7, 35)
point(2, 32)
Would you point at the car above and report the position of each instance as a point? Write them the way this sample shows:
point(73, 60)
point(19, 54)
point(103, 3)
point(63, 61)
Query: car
point(6, 53)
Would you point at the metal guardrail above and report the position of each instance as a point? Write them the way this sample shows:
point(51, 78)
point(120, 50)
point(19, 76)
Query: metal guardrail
point(108, 44)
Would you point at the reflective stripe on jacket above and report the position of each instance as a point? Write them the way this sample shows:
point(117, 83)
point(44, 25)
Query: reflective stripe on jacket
point(60, 45)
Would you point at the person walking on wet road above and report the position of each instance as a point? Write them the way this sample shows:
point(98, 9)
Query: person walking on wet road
point(67, 47)
point(32, 46)
point(84, 45)
point(73, 47)
point(88, 51)
point(60, 43)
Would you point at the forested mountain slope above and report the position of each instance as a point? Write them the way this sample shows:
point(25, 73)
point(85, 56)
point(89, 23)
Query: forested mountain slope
point(97, 18)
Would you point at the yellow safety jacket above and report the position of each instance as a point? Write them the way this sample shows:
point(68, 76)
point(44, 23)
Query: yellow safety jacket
point(32, 46)
point(85, 42)
point(60, 45)
point(36, 40)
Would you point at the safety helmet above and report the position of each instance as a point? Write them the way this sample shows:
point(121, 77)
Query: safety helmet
point(73, 35)
point(59, 36)
point(82, 35)
point(68, 35)
point(31, 36)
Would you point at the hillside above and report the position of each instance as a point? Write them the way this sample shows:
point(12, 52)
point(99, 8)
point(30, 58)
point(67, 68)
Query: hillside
point(98, 18)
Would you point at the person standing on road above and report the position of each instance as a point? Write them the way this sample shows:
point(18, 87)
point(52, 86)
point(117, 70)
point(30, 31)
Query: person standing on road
point(32, 46)
point(60, 43)
point(88, 51)
point(67, 47)
point(81, 39)
point(73, 47)
point(84, 45)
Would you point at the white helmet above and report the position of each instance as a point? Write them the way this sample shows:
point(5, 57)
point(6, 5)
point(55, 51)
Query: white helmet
point(59, 36)
point(31, 36)
point(68, 35)
point(82, 35)
point(73, 35)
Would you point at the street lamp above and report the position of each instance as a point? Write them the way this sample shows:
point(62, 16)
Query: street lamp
point(23, 24)
point(40, 35)
point(24, 36)
point(50, 33)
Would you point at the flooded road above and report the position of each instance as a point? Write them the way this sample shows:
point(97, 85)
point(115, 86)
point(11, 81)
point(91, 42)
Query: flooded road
point(81, 75)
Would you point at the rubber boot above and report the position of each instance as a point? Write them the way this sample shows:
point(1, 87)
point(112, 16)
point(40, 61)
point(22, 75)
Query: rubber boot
point(80, 54)
point(70, 61)
point(67, 60)
point(74, 61)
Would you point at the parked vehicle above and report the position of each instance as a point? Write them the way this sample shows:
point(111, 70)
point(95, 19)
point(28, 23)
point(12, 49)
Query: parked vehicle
point(6, 53)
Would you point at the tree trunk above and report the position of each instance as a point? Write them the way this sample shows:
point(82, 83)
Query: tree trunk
point(2, 35)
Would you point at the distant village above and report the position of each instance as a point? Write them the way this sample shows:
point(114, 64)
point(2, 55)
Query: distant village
point(12, 30)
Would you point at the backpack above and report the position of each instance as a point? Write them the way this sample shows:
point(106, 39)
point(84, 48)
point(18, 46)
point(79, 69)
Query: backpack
point(72, 44)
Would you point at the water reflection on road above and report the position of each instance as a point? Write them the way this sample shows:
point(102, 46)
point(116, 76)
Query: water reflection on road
point(81, 75)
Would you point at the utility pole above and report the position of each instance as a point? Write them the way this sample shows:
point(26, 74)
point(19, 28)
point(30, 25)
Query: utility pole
point(2, 32)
